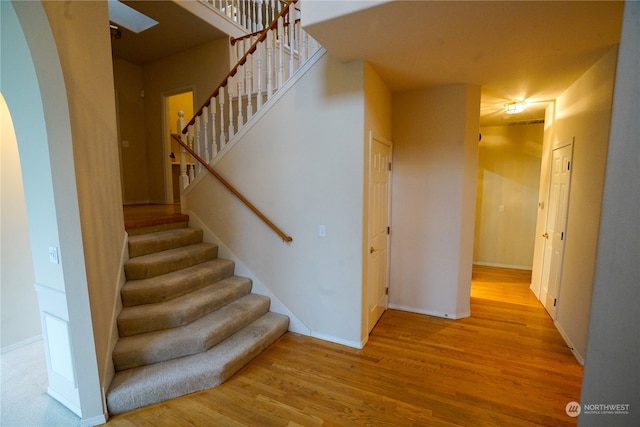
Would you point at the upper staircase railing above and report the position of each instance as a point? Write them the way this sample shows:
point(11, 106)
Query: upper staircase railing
point(252, 15)
point(266, 60)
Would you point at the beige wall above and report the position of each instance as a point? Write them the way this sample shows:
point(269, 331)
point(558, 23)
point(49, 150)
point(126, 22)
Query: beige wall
point(131, 132)
point(508, 179)
point(207, 65)
point(20, 319)
point(85, 57)
point(301, 173)
point(582, 112)
point(435, 136)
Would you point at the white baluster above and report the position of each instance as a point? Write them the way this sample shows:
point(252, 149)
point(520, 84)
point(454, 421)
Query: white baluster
point(249, 82)
point(196, 140)
point(192, 171)
point(231, 129)
point(205, 123)
point(290, 41)
point(259, 55)
point(184, 179)
point(214, 144)
point(241, 74)
point(223, 142)
point(299, 43)
point(259, 17)
point(280, 48)
point(269, 66)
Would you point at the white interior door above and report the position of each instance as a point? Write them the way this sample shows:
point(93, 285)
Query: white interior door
point(555, 235)
point(379, 197)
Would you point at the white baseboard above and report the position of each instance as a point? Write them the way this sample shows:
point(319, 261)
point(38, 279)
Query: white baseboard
point(430, 312)
point(579, 357)
point(93, 421)
point(331, 338)
point(20, 344)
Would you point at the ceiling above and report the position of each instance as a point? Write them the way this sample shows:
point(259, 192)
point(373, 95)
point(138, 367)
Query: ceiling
point(177, 30)
point(513, 50)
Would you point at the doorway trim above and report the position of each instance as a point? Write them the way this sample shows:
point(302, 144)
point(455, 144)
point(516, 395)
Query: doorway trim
point(166, 139)
point(369, 249)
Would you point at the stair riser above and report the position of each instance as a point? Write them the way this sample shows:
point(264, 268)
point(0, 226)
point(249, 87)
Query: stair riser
point(153, 265)
point(138, 320)
point(196, 337)
point(173, 285)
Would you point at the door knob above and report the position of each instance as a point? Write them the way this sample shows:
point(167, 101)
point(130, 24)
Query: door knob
point(372, 250)
point(545, 235)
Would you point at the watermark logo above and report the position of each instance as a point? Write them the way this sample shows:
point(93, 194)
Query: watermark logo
point(572, 409)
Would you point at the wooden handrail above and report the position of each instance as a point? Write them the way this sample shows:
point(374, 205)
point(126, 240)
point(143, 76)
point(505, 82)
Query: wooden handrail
point(285, 237)
point(241, 62)
point(235, 40)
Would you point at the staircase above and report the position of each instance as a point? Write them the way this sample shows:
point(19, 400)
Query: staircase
point(187, 323)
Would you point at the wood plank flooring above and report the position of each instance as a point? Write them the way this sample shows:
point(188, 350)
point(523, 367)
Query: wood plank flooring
point(506, 365)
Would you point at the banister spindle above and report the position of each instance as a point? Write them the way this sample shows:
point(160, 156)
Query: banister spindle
point(259, 17)
point(223, 142)
point(249, 81)
point(205, 134)
point(280, 51)
point(214, 144)
point(259, 55)
point(269, 66)
point(196, 140)
point(241, 76)
point(291, 40)
point(191, 170)
point(231, 129)
point(184, 179)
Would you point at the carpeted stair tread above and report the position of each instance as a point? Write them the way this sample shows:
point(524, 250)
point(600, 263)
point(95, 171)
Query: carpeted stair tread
point(145, 244)
point(145, 385)
point(174, 284)
point(195, 337)
point(183, 309)
point(156, 264)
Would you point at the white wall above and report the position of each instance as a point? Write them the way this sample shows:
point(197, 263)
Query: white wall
point(508, 177)
point(20, 319)
point(435, 161)
point(302, 165)
point(613, 350)
point(583, 111)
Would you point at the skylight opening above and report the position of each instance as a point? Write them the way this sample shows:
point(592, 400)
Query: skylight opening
point(129, 18)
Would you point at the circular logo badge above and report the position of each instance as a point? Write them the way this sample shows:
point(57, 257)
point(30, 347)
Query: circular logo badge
point(572, 409)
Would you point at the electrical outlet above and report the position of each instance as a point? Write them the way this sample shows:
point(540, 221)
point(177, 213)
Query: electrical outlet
point(322, 231)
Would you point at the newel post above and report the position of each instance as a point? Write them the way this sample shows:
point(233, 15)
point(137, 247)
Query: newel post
point(184, 179)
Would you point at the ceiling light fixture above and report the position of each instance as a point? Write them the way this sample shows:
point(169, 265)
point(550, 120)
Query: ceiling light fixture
point(514, 107)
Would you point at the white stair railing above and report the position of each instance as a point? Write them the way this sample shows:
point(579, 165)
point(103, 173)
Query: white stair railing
point(252, 15)
point(268, 60)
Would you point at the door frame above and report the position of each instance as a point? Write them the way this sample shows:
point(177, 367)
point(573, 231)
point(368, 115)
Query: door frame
point(368, 289)
point(166, 139)
point(544, 270)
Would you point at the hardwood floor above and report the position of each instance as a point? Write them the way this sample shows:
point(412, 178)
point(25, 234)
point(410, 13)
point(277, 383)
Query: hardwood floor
point(136, 216)
point(506, 365)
